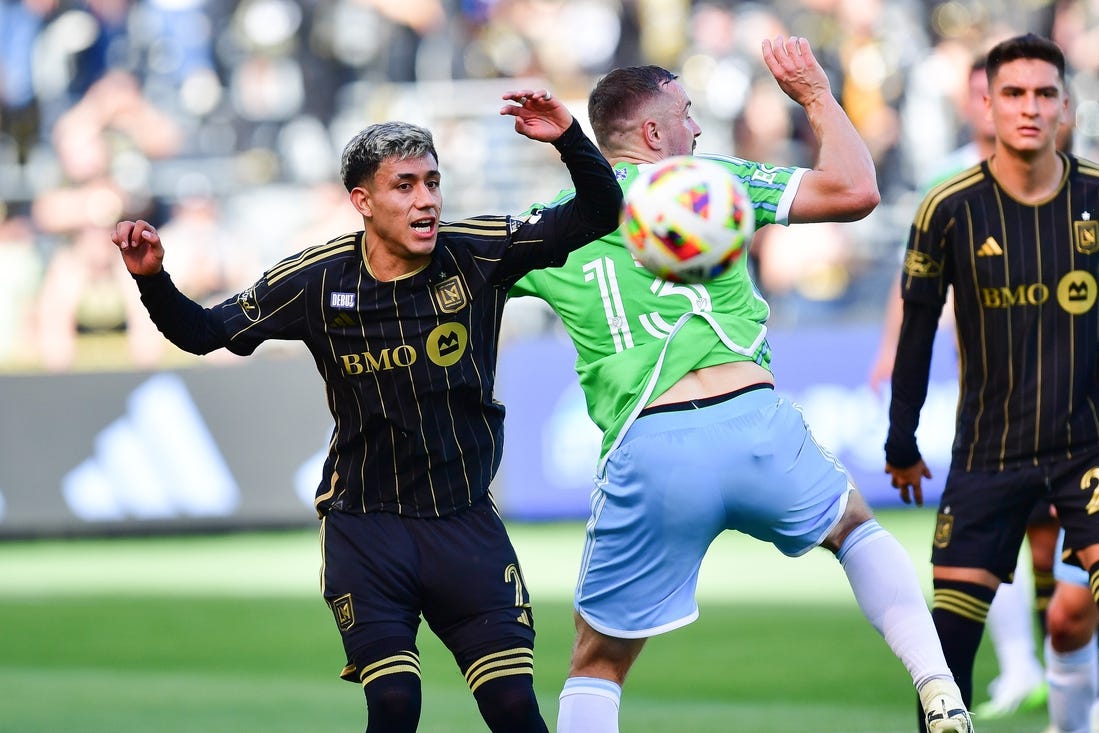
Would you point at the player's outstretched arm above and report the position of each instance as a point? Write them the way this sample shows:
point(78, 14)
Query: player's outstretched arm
point(184, 322)
point(538, 114)
point(140, 245)
point(843, 186)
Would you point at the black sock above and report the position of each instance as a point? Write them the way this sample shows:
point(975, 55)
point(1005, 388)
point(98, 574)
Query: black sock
point(959, 612)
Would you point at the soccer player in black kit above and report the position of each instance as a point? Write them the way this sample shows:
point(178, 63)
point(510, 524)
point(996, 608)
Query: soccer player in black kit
point(403, 320)
point(1015, 237)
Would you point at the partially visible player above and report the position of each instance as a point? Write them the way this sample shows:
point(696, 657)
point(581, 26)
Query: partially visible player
point(1072, 658)
point(696, 441)
point(1021, 682)
point(402, 319)
point(1027, 428)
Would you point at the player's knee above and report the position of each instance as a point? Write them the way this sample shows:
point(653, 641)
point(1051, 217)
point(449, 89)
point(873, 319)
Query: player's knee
point(1070, 620)
point(855, 514)
point(508, 704)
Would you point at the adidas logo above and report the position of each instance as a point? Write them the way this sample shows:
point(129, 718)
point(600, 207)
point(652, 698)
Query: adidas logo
point(989, 249)
point(157, 461)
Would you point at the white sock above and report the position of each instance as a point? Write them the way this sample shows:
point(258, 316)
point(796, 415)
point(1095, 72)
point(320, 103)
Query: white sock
point(888, 593)
point(589, 705)
point(1010, 625)
point(1073, 678)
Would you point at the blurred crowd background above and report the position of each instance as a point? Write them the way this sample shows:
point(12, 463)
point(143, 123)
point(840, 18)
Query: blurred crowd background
point(222, 121)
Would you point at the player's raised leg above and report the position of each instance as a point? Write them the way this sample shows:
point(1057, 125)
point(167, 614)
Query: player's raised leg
point(887, 590)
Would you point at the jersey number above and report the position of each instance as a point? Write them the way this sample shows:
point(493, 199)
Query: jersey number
point(602, 272)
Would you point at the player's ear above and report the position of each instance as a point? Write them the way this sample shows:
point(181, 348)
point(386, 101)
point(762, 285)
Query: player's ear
point(360, 199)
point(650, 130)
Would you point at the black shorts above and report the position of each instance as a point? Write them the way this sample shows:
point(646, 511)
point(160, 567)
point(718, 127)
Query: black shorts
point(983, 515)
point(382, 571)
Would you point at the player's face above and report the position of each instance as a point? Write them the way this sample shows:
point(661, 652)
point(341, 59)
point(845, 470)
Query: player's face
point(1028, 104)
point(676, 121)
point(401, 206)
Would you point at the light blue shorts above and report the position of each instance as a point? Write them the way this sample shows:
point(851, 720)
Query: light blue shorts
point(1065, 572)
point(676, 481)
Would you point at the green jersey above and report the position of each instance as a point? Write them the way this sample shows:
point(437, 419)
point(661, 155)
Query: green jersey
point(635, 334)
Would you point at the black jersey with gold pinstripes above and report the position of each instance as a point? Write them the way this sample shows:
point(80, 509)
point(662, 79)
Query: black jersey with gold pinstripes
point(408, 365)
point(1024, 279)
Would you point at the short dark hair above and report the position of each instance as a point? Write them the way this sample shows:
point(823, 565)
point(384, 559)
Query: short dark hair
point(1027, 46)
point(618, 94)
point(363, 155)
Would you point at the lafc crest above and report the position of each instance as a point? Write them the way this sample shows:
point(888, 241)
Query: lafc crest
point(450, 295)
point(343, 611)
point(944, 526)
point(1086, 235)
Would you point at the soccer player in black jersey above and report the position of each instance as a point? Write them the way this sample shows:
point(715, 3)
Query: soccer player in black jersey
point(402, 319)
point(1015, 238)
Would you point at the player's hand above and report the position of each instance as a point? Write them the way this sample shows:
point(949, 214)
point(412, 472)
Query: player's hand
point(795, 68)
point(538, 114)
point(140, 246)
point(908, 480)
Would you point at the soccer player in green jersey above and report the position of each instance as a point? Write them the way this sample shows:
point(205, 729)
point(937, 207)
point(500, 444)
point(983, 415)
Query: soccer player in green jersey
point(696, 440)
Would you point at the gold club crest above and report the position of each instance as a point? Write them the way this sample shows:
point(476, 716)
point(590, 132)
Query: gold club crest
point(343, 611)
point(918, 264)
point(1086, 234)
point(944, 525)
point(450, 295)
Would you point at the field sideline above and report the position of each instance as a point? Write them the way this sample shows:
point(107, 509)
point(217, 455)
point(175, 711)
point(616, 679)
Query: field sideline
point(227, 633)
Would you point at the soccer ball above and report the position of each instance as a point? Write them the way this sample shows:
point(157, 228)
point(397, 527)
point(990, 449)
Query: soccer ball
point(687, 219)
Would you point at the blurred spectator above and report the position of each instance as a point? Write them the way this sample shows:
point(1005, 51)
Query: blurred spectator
point(103, 146)
point(803, 269)
point(20, 275)
point(107, 48)
point(108, 107)
point(87, 305)
point(209, 263)
point(21, 22)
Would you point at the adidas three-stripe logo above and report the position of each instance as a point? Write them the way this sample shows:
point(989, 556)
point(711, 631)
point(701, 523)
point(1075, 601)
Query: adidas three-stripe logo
point(990, 249)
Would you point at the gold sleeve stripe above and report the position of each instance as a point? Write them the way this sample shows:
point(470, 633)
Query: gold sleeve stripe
point(314, 257)
point(520, 661)
point(487, 233)
point(1087, 167)
point(269, 315)
point(311, 252)
point(936, 195)
point(962, 604)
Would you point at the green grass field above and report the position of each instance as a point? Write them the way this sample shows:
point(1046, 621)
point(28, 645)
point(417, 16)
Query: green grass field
point(228, 633)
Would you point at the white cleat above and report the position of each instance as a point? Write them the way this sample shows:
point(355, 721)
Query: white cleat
point(943, 707)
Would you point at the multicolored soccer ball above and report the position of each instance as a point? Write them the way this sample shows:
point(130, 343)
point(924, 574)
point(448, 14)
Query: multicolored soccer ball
point(687, 219)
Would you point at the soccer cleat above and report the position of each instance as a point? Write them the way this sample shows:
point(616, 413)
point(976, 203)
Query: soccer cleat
point(943, 707)
point(1007, 699)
